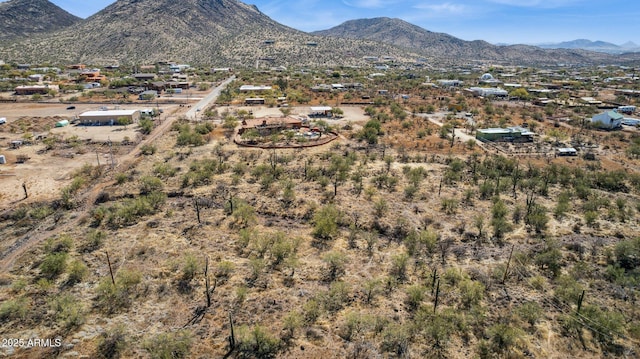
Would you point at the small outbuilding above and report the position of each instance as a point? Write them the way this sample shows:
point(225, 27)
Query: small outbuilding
point(320, 111)
point(62, 123)
point(254, 101)
point(567, 151)
point(509, 134)
point(108, 118)
point(608, 120)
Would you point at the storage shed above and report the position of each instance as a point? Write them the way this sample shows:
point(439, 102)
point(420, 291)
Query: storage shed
point(608, 120)
point(107, 118)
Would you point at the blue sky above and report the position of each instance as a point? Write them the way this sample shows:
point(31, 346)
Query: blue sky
point(496, 21)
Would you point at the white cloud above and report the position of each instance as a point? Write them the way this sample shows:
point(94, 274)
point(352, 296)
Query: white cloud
point(444, 8)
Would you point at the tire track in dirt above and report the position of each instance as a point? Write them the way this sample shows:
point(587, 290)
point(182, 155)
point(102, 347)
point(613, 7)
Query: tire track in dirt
point(88, 199)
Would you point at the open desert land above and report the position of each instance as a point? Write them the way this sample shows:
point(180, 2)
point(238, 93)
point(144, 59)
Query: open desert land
point(393, 240)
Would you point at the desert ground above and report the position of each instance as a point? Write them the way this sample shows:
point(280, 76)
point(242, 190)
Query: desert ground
point(46, 173)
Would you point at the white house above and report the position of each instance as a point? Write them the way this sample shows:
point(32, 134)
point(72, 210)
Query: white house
point(488, 91)
point(608, 120)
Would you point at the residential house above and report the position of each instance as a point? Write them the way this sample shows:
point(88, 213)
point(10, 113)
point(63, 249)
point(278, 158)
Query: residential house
point(608, 120)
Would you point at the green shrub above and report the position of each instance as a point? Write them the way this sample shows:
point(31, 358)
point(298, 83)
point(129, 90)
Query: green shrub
point(504, 337)
point(77, 271)
point(530, 312)
point(415, 296)
point(190, 268)
point(187, 137)
point(471, 292)
point(605, 325)
point(312, 310)
point(148, 149)
point(568, 289)
point(204, 128)
point(14, 309)
point(355, 325)
point(550, 258)
point(336, 297)
point(62, 244)
point(292, 322)
point(146, 125)
point(112, 298)
point(169, 345)
point(149, 184)
point(395, 339)
point(326, 222)
point(336, 262)
point(68, 310)
point(257, 342)
point(122, 177)
point(53, 265)
point(399, 264)
point(41, 212)
point(628, 254)
point(95, 240)
point(164, 170)
point(111, 343)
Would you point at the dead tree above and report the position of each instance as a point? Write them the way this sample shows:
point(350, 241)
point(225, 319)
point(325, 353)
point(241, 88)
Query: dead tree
point(110, 270)
point(208, 290)
point(197, 209)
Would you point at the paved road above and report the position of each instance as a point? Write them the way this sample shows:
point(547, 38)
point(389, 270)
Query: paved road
point(211, 97)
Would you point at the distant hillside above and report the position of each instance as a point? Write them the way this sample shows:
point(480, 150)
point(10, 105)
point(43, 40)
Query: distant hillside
point(444, 46)
point(21, 18)
point(230, 32)
point(599, 46)
point(197, 31)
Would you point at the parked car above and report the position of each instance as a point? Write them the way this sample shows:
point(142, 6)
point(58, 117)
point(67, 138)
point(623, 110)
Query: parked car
point(71, 108)
point(3, 120)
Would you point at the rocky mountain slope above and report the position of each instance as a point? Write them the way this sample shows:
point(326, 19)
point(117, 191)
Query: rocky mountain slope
point(599, 46)
point(20, 18)
point(447, 47)
point(232, 33)
point(196, 31)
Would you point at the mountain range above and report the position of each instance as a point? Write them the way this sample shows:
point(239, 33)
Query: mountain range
point(232, 33)
point(21, 18)
point(599, 46)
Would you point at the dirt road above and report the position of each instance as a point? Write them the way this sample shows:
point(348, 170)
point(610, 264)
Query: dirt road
point(88, 198)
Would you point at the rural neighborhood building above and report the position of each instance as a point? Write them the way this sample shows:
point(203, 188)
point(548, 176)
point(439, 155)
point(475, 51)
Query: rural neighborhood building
point(450, 83)
point(141, 76)
point(607, 120)
point(247, 88)
point(179, 67)
point(509, 134)
point(488, 91)
point(320, 111)
point(269, 125)
point(489, 79)
point(627, 109)
point(149, 94)
point(36, 89)
point(107, 118)
point(254, 101)
point(567, 151)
